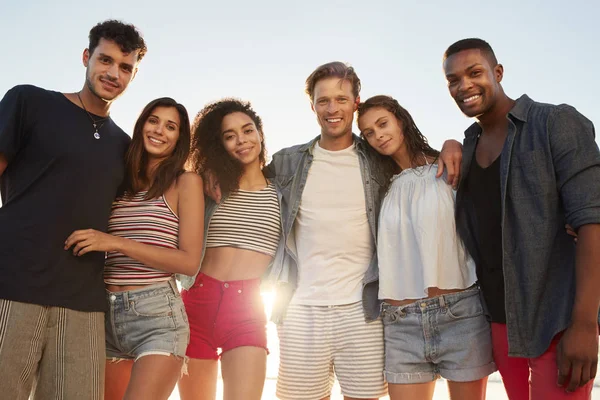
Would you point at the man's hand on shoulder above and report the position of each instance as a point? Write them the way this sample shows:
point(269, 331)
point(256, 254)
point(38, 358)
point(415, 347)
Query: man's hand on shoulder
point(450, 160)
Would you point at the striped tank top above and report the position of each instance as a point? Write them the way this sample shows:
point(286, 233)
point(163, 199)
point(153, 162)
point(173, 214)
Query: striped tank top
point(150, 222)
point(247, 220)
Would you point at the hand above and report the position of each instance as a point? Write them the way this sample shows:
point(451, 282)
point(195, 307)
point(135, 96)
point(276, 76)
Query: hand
point(571, 232)
point(87, 240)
point(577, 354)
point(450, 158)
point(211, 186)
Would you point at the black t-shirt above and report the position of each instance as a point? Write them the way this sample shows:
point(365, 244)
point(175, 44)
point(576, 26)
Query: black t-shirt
point(59, 179)
point(483, 185)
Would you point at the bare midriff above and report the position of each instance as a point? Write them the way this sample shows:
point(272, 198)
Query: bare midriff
point(431, 292)
point(233, 264)
point(123, 288)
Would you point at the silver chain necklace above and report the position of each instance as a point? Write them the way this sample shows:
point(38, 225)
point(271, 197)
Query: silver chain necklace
point(96, 123)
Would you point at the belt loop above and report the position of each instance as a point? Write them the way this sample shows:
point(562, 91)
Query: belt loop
point(125, 300)
point(442, 302)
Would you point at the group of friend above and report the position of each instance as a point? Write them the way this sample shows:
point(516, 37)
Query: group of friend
point(393, 264)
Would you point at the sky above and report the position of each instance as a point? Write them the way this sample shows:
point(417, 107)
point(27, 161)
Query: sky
point(262, 51)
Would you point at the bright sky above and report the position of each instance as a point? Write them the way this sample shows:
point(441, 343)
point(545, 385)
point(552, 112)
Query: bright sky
point(262, 51)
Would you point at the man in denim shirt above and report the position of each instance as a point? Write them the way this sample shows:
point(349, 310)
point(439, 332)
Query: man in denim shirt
point(327, 308)
point(528, 168)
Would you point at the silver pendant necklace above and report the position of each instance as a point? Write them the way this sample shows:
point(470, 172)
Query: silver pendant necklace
point(96, 123)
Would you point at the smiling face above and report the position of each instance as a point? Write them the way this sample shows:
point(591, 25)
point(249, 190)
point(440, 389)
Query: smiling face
point(334, 104)
point(241, 139)
point(473, 82)
point(108, 70)
point(383, 131)
point(161, 132)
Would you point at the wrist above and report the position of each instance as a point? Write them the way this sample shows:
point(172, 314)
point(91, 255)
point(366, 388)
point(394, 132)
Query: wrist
point(119, 244)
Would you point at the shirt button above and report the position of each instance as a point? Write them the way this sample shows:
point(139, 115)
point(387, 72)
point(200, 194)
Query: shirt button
point(240, 291)
point(226, 285)
point(202, 284)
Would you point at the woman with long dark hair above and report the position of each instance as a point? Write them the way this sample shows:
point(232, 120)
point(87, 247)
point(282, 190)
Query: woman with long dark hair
point(154, 232)
point(434, 324)
point(242, 234)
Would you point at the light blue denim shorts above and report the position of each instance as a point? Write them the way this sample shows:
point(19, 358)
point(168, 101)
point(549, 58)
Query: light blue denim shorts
point(147, 321)
point(446, 336)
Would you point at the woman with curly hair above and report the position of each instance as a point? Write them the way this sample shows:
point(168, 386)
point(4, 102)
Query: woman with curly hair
point(432, 314)
point(154, 232)
point(242, 235)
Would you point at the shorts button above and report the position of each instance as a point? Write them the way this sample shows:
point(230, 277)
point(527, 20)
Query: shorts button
point(226, 285)
point(113, 297)
point(423, 305)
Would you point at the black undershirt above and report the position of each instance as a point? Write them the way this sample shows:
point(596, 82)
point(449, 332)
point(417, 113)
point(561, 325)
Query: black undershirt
point(484, 189)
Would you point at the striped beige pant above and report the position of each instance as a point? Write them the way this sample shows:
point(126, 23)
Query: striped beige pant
point(316, 342)
point(50, 353)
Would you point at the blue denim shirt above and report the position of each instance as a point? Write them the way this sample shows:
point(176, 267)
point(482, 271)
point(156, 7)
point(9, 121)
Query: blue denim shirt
point(210, 206)
point(289, 168)
point(549, 176)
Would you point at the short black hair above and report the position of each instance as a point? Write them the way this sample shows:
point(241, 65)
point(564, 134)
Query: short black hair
point(470, 44)
point(125, 35)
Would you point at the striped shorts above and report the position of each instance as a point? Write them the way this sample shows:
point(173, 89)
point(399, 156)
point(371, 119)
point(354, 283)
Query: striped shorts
point(318, 342)
point(51, 352)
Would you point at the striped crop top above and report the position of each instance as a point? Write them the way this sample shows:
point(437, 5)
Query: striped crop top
point(247, 220)
point(150, 222)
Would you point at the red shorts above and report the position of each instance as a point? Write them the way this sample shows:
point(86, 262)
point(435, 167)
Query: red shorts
point(532, 378)
point(224, 315)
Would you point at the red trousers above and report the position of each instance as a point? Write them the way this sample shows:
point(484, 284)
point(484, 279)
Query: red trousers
point(532, 378)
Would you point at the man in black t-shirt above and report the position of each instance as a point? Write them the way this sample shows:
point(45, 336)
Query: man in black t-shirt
point(61, 163)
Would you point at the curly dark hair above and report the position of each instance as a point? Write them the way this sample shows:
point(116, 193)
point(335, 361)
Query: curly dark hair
point(416, 143)
point(208, 152)
point(169, 169)
point(125, 35)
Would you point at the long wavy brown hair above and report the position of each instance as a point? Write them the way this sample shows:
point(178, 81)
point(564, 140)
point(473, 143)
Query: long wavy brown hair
point(169, 169)
point(416, 143)
point(208, 151)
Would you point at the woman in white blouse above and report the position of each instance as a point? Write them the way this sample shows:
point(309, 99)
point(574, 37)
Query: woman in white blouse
point(434, 322)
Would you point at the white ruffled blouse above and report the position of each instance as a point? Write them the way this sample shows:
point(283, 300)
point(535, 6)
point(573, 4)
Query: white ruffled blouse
point(417, 244)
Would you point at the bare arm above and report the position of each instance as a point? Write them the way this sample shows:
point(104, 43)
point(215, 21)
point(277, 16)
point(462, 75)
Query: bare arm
point(450, 159)
point(184, 260)
point(578, 349)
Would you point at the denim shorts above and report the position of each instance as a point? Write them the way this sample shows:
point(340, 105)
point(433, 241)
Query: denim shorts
point(446, 336)
point(147, 321)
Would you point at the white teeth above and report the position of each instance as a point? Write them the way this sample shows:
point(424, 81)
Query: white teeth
point(470, 99)
point(156, 141)
point(334, 120)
